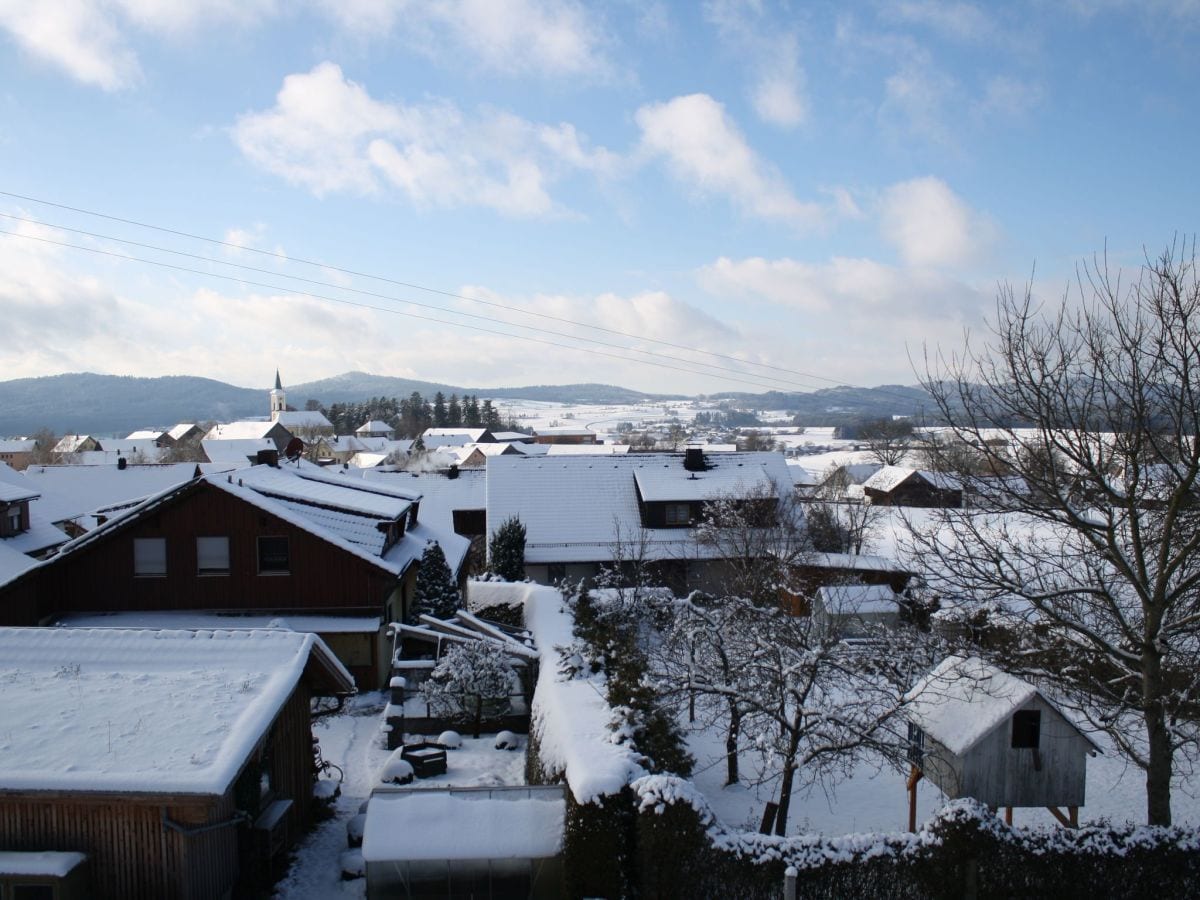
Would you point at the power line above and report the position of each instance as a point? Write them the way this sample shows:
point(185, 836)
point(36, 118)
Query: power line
point(383, 309)
point(450, 294)
point(389, 297)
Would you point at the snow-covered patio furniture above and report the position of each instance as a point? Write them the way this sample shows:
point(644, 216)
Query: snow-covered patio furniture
point(426, 759)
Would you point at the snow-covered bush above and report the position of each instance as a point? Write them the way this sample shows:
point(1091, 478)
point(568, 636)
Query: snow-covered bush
point(469, 680)
point(353, 865)
point(506, 740)
point(451, 740)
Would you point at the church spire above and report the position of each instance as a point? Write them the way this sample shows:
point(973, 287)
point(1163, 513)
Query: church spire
point(278, 398)
point(278, 383)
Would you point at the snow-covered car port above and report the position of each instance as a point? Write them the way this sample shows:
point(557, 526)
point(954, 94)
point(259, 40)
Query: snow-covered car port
point(464, 842)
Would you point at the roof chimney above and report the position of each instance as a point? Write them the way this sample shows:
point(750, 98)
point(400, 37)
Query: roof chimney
point(693, 459)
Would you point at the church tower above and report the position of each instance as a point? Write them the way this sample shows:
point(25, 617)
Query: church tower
point(278, 399)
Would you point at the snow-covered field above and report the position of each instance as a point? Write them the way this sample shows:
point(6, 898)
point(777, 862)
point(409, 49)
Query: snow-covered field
point(353, 741)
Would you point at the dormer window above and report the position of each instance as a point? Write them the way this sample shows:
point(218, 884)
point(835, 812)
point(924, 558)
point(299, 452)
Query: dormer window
point(13, 520)
point(677, 513)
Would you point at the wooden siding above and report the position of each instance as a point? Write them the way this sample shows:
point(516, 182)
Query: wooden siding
point(995, 773)
point(132, 856)
point(322, 578)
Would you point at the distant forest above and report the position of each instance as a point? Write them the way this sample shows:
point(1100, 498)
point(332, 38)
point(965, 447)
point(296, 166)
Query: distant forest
point(412, 415)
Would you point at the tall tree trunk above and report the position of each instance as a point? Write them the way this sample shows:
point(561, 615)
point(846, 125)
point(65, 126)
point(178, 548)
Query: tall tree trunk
point(785, 798)
point(1158, 738)
point(731, 744)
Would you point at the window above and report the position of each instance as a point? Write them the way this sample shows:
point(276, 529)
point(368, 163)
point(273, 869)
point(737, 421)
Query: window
point(556, 572)
point(212, 555)
point(273, 558)
point(32, 891)
point(149, 556)
point(14, 520)
point(678, 513)
point(1027, 729)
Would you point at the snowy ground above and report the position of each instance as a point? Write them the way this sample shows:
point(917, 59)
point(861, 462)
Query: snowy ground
point(875, 799)
point(353, 741)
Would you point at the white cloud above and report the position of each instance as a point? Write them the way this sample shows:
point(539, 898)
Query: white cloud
point(772, 56)
point(328, 134)
point(703, 148)
point(959, 21)
point(1009, 97)
point(88, 38)
point(77, 36)
point(852, 319)
point(932, 226)
point(551, 37)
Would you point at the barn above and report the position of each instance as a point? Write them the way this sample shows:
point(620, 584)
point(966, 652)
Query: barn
point(976, 731)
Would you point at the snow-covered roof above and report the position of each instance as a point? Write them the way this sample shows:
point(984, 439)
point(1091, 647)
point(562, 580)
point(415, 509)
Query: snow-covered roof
point(855, 473)
point(733, 475)
point(314, 487)
point(432, 438)
point(70, 443)
point(75, 491)
point(375, 426)
point(181, 430)
point(586, 449)
point(239, 431)
point(131, 711)
point(511, 436)
point(302, 418)
point(889, 478)
point(14, 562)
point(964, 698)
point(40, 863)
point(146, 434)
point(209, 621)
point(235, 450)
point(15, 493)
point(367, 459)
point(464, 824)
point(440, 494)
point(18, 445)
point(145, 447)
point(574, 508)
point(852, 599)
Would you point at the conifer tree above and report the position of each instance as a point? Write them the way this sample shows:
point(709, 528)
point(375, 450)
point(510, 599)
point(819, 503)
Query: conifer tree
point(436, 593)
point(507, 550)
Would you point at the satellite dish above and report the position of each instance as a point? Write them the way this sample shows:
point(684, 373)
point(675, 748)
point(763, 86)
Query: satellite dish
point(294, 449)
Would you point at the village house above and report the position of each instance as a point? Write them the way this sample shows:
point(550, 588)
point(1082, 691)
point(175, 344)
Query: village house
point(18, 452)
point(75, 443)
point(179, 763)
point(314, 549)
point(902, 486)
point(435, 438)
point(564, 435)
point(584, 512)
point(375, 429)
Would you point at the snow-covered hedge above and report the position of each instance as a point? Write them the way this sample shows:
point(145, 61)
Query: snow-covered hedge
point(963, 850)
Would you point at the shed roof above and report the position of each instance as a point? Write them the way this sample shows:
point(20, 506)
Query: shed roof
point(849, 599)
point(964, 698)
point(136, 712)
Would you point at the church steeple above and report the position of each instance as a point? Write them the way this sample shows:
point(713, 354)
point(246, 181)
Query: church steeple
point(278, 398)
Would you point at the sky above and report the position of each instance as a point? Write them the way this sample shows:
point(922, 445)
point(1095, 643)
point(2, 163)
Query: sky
point(685, 197)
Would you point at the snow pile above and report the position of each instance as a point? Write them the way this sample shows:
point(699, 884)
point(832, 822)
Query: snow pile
point(571, 719)
point(482, 594)
point(396, 770)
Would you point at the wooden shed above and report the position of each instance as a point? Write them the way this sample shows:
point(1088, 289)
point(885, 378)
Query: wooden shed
point(177, 762)
point(976, 731)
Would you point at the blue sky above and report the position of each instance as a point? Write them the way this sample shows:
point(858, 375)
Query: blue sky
point(814, 191)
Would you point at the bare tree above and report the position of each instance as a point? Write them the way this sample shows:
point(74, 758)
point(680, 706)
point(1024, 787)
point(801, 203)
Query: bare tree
point(811, 703)
point(1099, 405)
point(837, 514)
point(889, 440)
